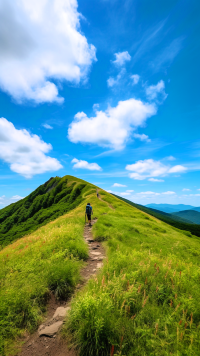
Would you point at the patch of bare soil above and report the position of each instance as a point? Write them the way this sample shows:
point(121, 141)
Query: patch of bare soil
point(47, 340)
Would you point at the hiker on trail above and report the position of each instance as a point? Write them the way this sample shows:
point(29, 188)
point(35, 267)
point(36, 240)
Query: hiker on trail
point(89, 212)
point(97, 194)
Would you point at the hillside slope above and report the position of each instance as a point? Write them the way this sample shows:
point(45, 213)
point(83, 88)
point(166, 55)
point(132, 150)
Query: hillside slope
point(191, 215)
point(50, 200)
point(47, 260)
point(145, 300)
point(175, 221)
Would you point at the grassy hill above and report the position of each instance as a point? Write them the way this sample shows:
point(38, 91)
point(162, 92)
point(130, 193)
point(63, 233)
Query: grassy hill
point(144, 301)
point(178, 222)
point(50, 200)
point(192, 215)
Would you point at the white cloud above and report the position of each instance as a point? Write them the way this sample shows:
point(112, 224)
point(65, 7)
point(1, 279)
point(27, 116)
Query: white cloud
point(135, 78)
point(121, 58)
point(155, 180)
point(124, 194)
point(169, 193)
point(17, 197)
point(47, 126)
point(142, 137)
point(148, 193)
point(171, 158)
point(4, 201)
point(25, 152)
point(153, 91)
point(41, 42)
point(85, 165)
point(118, 185)
point(111, 128)
point(186, 190)
point(177, 169)
point(111, 82)
point(130, 191)
point(198, 189)
point(149, 168)
point(95, 106)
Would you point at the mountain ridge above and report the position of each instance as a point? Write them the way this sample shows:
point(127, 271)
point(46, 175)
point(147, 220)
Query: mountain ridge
point(170, 208)
point(151, 268)
point(50, 200)
point(191, 215)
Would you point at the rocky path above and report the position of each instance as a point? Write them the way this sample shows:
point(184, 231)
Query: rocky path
point(47, 341)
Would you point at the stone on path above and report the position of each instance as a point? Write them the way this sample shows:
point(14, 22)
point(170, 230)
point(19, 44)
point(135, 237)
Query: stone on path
point(99, 265)
point(61, 312)
point(95, 253)
point(51, 330)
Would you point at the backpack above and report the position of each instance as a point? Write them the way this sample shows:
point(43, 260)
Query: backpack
point(88, 209)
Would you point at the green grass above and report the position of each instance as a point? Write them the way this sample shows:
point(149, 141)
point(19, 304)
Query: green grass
point(48, 260)
point(171, 219)
point(145, 301)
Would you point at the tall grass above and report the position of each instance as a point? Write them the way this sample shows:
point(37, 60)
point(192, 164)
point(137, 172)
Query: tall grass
point(48, 260)
point(145, 301)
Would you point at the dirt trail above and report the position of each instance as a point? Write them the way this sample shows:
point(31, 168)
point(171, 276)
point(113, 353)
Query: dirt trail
point(98, 196)
point(36, 345)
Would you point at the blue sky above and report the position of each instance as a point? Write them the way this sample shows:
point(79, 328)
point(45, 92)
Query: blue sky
point(106, 91)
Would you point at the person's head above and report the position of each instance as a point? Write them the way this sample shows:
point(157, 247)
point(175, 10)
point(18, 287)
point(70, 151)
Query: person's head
point(88, 203)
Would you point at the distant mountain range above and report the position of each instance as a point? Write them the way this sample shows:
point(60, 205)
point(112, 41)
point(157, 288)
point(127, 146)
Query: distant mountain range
point(191, 215)
point(187, 213)
point(178, 222)
point(170, 208)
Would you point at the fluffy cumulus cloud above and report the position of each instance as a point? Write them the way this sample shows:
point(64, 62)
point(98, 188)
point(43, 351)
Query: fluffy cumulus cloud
point(85, 165)
point(156, 91)
point(121, 58)
point(186, 190)
point(135, 78)
point(150, 168)
point(118, 185)
point(113, 127)
point(41, 43)
point(142, 137)
point(24, 152)
point(111, 82)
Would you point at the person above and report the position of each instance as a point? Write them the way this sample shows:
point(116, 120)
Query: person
point(89, 212)
point(97, 194)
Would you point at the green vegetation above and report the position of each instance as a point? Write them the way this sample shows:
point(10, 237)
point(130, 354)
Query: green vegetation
point(48, 260)
point(52, 199)
point(192, 215)
point(170, 219)
point(145, 300)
